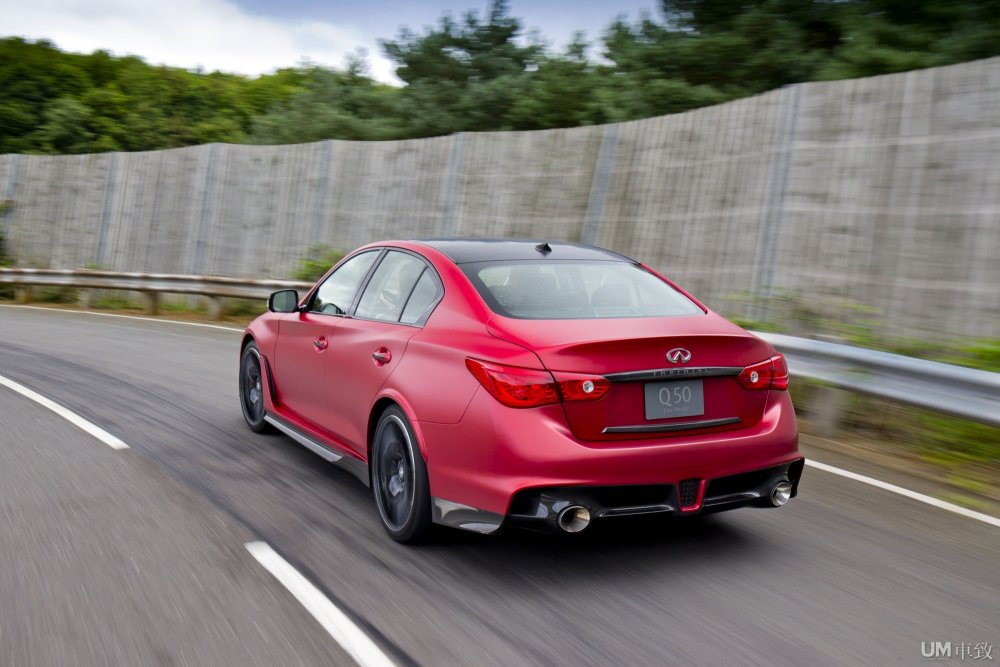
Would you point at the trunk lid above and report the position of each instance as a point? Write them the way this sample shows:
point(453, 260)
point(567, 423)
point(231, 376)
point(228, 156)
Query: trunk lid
point(650, 396)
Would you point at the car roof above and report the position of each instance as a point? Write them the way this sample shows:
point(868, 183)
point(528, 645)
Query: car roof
point(465, 250)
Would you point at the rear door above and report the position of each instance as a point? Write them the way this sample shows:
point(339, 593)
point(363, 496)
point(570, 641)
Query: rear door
point(368, 346)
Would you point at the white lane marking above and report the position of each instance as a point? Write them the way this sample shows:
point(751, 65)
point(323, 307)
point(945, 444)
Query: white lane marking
point(357, 644)
point(930, 500)
point(71, 417)
point(126, 317)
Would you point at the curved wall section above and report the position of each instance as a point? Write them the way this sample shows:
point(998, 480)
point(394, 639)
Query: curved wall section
point(880, 192)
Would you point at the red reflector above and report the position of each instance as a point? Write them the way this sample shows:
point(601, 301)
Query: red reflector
point(584, 388)
point(515, 387)
point(770, 374)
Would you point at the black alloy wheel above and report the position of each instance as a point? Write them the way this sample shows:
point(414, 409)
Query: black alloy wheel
point(399, 479)
point(252, 388)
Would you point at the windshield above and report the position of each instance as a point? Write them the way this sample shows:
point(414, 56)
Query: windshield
point(540, 290)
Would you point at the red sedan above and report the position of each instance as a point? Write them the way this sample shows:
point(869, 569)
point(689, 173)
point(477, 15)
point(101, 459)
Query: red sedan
point(476, 383)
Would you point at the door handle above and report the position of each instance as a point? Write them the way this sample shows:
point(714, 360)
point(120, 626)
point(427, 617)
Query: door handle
point(320, 344)
point(382, 356)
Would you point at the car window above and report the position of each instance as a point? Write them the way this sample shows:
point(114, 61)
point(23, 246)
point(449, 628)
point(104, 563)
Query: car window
point(422, 300)
point(575, 290)
point(387, 292)
point(335, 295)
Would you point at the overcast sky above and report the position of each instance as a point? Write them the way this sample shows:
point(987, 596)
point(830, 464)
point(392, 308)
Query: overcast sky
point(258, 36)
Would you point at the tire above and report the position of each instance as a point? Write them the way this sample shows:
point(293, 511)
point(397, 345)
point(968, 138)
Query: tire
point(252, 389)
point(399, 479)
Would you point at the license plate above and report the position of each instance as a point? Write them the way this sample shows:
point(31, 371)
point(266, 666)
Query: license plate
point(664, 400)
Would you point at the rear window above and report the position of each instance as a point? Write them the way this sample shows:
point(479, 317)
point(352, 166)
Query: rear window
point(540, 290)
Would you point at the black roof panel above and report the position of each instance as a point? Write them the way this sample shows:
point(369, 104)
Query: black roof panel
point(463, 250)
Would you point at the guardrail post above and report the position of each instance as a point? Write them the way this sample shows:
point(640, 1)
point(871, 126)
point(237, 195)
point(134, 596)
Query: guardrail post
point(152, 300)
point(827, 411)
point(23, 294)
point(216, 307)
point(85, 298)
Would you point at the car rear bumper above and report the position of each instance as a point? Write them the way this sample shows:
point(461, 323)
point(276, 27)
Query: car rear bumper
point(500, 463)
point(543, 507)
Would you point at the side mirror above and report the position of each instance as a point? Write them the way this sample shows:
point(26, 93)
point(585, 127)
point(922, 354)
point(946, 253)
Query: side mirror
point(285, 301)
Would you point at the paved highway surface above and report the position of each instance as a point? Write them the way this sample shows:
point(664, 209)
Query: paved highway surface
point(136, 556)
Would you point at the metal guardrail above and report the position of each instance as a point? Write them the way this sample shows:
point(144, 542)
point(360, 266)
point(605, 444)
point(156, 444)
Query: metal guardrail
point(956, 390)
point(151, 285)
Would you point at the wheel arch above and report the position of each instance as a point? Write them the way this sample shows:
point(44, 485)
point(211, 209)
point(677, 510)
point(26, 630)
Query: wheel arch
point(270, 397)
point(385, 400)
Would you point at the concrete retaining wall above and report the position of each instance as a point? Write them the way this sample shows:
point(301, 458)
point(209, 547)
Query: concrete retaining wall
point(878, 194)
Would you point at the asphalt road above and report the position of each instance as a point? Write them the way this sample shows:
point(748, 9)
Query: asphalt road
point(845, 574)
point(104, 559)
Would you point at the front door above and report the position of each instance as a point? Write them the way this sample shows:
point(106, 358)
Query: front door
point(301, 368)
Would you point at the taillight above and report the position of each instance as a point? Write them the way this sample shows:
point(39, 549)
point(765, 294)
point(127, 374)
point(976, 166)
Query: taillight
point(583, 388)
point(770, 374)
point(515, 387)
point(529, 388)
point(780, 378)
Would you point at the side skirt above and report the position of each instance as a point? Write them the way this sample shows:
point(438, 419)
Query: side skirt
point(348, 463)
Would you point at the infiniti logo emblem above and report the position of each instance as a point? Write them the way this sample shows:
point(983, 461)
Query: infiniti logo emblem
point(678, 355)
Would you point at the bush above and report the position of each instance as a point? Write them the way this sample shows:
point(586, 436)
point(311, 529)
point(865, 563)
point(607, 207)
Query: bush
point(56, 294)
point(949, 436)
point(944, 439)
point(244, 307)
point(317, 261)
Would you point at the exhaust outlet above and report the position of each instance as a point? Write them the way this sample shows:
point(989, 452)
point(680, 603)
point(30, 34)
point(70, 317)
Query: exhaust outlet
point(573, 519)
point(781, 492)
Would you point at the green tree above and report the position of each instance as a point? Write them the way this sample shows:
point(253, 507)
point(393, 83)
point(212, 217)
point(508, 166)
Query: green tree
point(332, 105)
point(564, 91)
point(66, 127)
point(705, 52)
point(56, 102)
point(480, 73)
point(462, 75)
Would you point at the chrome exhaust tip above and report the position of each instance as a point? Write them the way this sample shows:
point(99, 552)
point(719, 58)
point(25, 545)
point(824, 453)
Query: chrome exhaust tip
point(573, 519)
point(781, 493)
